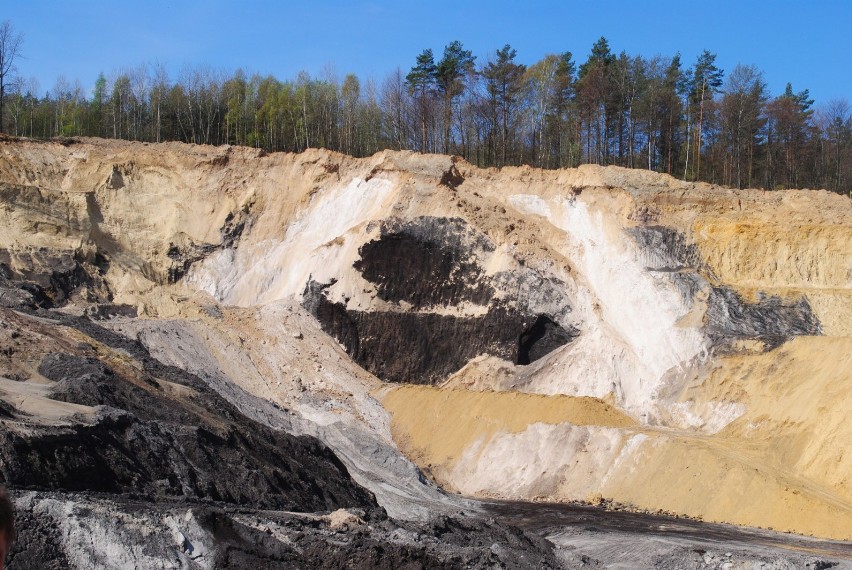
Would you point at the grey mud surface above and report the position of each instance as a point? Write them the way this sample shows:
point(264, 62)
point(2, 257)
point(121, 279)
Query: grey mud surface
point(589, 536)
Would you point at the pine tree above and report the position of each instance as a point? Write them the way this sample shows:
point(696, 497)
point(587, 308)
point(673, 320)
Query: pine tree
point(790, 126)
point(422, 81)
point(594, 93)
point(707, 78)
point(456, 63)
point(503, 81)
point(742, 122)
point(563, 120)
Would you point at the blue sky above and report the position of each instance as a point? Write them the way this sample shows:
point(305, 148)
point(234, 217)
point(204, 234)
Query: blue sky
point(808, 44)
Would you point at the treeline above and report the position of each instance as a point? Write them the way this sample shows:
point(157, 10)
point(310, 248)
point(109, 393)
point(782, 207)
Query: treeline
point(694, 122)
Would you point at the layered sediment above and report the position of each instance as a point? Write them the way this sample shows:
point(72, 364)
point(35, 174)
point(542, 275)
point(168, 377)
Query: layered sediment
point(218, 326)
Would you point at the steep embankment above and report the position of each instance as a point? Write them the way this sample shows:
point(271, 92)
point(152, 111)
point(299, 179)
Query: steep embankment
point(584, 333)
point(162, 441)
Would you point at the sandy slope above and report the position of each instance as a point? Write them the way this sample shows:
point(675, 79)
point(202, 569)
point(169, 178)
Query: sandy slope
point(708, 372)
point(502, 445)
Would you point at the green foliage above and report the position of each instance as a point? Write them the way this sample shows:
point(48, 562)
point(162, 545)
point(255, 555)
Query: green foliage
point(706, 78)
point(801, 99)
point(423, 76)
point(504, 83)
point(99, 94)
point(622, 109)
point(454, 65)
point(600, 57)
point(565, 71)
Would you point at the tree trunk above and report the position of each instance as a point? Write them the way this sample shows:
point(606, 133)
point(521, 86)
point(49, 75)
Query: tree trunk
point(699, 133)
point(2, 99)
point(688, 142)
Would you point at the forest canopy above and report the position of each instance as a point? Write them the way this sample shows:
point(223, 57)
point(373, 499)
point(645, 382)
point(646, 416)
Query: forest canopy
point(692, 120)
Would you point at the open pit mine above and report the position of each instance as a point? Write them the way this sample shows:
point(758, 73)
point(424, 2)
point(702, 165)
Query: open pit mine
point(211, 357)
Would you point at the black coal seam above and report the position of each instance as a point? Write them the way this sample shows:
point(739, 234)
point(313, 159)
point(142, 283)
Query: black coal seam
point(424, 348)
point(729, 317)
point(771, 319)
point(421, 273)
point(427, 261)
point(542, 338)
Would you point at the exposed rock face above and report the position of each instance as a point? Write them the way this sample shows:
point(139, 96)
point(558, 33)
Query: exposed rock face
point(156, 431)
point(190, 478)
point(48, 278)
point(428, 270)
point(728, 316)
point(212, 329)
point(421, 348)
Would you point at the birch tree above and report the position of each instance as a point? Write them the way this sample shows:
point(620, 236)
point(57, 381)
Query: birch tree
point(10, 50)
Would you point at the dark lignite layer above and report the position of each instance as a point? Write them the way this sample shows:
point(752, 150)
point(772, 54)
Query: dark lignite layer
point(430, 263)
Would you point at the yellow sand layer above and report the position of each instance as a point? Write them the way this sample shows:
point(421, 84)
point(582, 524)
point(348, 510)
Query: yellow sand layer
point(435, 426)
point(783, 465)
point(725, 481)
point(798, 399)
point(784, 259)
point(765, 254)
